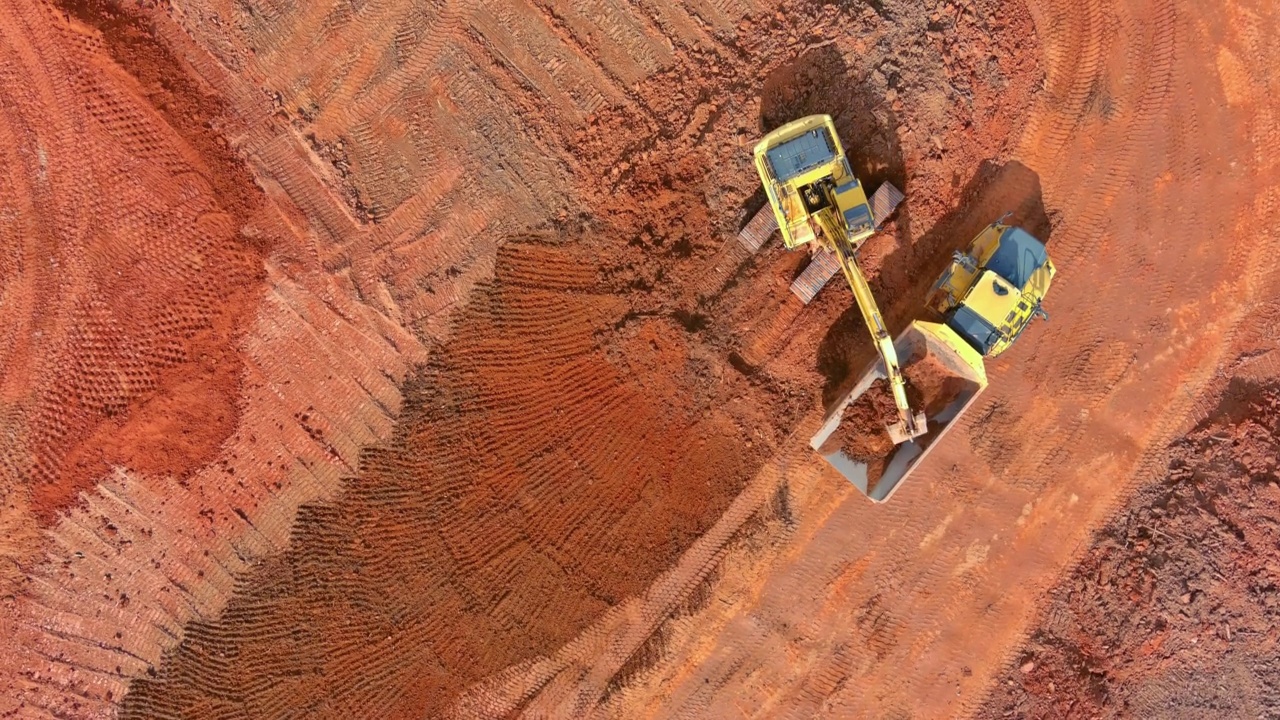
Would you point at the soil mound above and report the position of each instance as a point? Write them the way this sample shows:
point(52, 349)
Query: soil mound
point(863, 436)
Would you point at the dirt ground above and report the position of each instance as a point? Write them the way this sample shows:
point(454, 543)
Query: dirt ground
point(397, 358)
point(1173, 612)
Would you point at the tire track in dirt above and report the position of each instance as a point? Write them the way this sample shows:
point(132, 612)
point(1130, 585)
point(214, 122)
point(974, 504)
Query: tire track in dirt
point(947, 596)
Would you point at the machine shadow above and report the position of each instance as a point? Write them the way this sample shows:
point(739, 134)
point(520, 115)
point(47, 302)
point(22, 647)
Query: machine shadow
point(820, 82)
point(907, 274)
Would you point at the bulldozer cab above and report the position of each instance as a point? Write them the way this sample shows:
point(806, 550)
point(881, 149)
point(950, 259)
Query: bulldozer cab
point(804, 171)
point(992, 292)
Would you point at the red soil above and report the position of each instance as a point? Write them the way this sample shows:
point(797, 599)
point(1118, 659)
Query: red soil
point(862, 435)
point(596, 398)
point(135, 360)
point(933, 384)
point(1174, 611)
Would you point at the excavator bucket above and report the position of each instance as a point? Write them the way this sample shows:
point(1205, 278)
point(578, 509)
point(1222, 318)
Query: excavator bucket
point(945, 373)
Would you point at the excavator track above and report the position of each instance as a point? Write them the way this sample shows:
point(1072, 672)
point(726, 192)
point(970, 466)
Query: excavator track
point(758, 231)
point(824, 265)
point(821, 269)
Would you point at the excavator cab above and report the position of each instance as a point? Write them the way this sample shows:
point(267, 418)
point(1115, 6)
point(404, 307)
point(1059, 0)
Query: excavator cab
point(804, 171)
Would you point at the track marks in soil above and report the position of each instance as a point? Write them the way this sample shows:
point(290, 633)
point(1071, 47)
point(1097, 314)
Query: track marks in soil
point(144, 556)
point(534, 481)
point(129, 280)
point(1172, 611)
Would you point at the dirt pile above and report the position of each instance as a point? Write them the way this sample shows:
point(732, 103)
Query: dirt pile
point(128, 279)
point(863, 428)
point(1175, 610)
point(930, 387)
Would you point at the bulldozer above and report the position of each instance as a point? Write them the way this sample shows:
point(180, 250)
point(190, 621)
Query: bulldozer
point(981, 303)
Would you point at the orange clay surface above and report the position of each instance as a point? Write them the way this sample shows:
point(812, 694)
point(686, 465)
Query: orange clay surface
point(397, 359)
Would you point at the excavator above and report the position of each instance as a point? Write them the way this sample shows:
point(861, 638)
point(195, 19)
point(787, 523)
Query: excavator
point(978, 307)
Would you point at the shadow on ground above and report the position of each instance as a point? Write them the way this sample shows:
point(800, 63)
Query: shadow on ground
point(907, 274)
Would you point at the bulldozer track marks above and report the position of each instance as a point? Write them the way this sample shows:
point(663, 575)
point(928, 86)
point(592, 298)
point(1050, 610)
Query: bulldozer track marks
point(487, 470)
point(458, 478)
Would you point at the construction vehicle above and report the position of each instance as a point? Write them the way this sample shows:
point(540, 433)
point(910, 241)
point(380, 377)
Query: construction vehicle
point(978, 307)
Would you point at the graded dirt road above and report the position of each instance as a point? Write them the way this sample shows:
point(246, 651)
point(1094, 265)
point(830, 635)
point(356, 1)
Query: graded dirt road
point(484, 412)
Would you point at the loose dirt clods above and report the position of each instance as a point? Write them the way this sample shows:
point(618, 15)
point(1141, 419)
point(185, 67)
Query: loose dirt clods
point(930, 388)
point(865, 437)
point(1174, 611)
point(931, 384)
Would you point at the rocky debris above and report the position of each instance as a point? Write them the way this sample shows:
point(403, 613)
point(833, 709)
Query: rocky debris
point(1174, 612)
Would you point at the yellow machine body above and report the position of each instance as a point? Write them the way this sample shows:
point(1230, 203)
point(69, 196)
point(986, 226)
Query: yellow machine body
point(805, 175)
point(816, 198)
point(979, 306)
point(993, 291)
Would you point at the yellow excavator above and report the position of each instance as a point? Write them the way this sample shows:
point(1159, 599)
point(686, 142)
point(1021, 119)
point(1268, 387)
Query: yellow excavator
point(979, 306)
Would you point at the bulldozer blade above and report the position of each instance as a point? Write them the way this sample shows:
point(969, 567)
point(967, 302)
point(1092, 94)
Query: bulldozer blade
point(758, 231)
point(822, 268)
point(885, 200)
point(920, 339)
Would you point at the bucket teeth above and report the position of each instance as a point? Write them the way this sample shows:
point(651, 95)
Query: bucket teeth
point(759, 230)
point(822, 268)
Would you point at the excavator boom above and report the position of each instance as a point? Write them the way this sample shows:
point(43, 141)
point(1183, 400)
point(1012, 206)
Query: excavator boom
point(909, 424)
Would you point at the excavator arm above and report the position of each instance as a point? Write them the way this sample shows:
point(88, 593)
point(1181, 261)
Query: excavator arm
point(909, 424)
